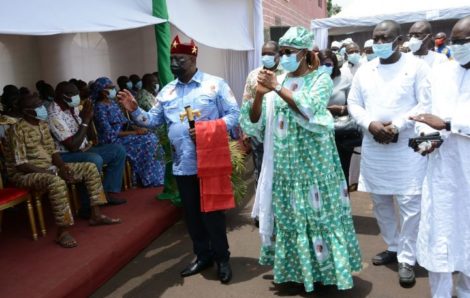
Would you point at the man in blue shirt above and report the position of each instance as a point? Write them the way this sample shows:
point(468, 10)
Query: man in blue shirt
point(214, 99)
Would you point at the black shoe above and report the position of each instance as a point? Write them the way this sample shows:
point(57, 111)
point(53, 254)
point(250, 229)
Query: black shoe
point(224, 272)
point(116, 201)
point(385, 257)
point(406, 274)
point(196, 267)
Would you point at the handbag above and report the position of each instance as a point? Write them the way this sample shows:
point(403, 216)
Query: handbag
point(348, 132)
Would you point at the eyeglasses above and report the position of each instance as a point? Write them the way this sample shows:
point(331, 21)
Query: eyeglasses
point(288, 52)
point(328, 64)
point(460, 41)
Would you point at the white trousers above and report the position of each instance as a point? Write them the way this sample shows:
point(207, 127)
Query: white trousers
point(441, 285)
point(399, 236)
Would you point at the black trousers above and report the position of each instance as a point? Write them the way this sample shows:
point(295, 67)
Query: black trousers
point(206, 229)
point(345, 154)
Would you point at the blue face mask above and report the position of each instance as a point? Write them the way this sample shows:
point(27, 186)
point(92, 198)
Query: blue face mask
point(371, 56)
point(383, 50)
point(129, 85)
point(50, 98)
point(354, 58)
point(41, 113)
point(112, 93)
point(74, 101)
point(326, 69)
point(342, 51)
point(138, 85)
point(268, 61)
point(289, 62)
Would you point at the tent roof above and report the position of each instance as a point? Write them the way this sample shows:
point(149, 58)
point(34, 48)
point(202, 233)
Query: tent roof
point(224, 24)
point(48, 17)
point(361, 14)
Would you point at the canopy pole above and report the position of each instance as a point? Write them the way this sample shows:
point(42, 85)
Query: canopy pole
point(163, 40)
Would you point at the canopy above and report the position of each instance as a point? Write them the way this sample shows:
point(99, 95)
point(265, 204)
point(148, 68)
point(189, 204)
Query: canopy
point(361, 14)
point(48, 17)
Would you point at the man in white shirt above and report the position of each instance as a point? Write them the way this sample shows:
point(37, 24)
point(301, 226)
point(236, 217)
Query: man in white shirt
point(368, 52)
point(421, 40)
point(385, 92)
point(443, 243)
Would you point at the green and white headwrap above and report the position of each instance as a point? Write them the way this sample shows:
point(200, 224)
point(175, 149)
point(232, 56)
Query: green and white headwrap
point(297, 37)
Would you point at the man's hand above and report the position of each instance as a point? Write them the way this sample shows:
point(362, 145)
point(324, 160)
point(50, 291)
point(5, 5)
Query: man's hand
point(87, 111)
point(431, 120)
point(127, 100)
point(381, 133)
point(66, 173)
point(192, 134)
point(260, 89)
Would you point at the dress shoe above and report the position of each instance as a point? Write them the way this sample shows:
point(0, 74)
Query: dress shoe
point(196, 267)
point(385, 257)
point(116, 201)
point(224, 272)
point(406, 274)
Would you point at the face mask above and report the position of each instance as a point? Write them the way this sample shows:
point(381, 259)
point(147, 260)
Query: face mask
point(268, 61)
point(74, 101)
point(112, 93)
point(129, 85)
point(415, 44)
point(340, 60)
point(383, 50)
point(290, 63)
point(342, 51)
point(461, 53)
point(50, 98)
point(354, 58)
point(41, 113)
point(371, 56)
point(157, 87)
point(138, 85)
point(326, 69)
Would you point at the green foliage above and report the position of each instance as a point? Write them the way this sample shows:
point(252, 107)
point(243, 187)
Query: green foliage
point(238, 169)
point(333, 9)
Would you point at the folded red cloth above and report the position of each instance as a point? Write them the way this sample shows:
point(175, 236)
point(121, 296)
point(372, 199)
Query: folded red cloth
point(214, 166)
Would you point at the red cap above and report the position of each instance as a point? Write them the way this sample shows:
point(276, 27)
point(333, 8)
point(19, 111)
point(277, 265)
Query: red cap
point(183, 48)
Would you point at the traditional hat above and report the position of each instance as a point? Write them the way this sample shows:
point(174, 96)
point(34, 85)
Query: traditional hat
point(183, 48)
point(297, 37)
point(336, 44)
point(368, 43)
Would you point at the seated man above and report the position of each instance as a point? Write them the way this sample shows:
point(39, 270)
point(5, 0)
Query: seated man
point(146, 95)
point(35, 163)
point(70, 127)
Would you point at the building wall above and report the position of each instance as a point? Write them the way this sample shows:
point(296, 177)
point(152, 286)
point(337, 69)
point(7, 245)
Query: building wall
point(292, 12)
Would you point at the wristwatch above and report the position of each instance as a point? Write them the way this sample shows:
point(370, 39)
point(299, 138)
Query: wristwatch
point(448, 125)
point(278, 88)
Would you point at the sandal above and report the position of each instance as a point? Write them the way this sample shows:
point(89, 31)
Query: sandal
point(103, 220)
point(66, 240)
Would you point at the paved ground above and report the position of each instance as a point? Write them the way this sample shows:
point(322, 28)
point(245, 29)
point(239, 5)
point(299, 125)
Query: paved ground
point(155, 272)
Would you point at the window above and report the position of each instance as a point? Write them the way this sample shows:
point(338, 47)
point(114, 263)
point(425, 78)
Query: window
point(320, 3)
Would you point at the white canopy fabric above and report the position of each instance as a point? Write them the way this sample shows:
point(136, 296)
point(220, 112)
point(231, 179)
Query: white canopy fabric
point(361, 14)
point(48, 17)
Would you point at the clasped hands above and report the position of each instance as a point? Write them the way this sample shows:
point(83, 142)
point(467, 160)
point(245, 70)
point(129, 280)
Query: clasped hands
point(267, 81)
point(383, 132)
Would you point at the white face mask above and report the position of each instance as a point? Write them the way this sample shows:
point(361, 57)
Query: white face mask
point(461, 53)
point(415, 44)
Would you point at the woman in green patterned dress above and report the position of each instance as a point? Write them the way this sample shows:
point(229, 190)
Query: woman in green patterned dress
point(307, 197)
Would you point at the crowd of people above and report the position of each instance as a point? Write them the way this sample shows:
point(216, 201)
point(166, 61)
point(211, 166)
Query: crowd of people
point(77, 133)
point(305, 112)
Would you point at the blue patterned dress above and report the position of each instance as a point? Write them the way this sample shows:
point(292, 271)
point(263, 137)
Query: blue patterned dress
point(144, 151)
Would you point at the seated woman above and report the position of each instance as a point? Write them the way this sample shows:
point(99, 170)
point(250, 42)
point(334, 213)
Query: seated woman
point(113, 127)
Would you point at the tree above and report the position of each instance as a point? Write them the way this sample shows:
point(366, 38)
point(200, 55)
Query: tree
point(332, 8)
